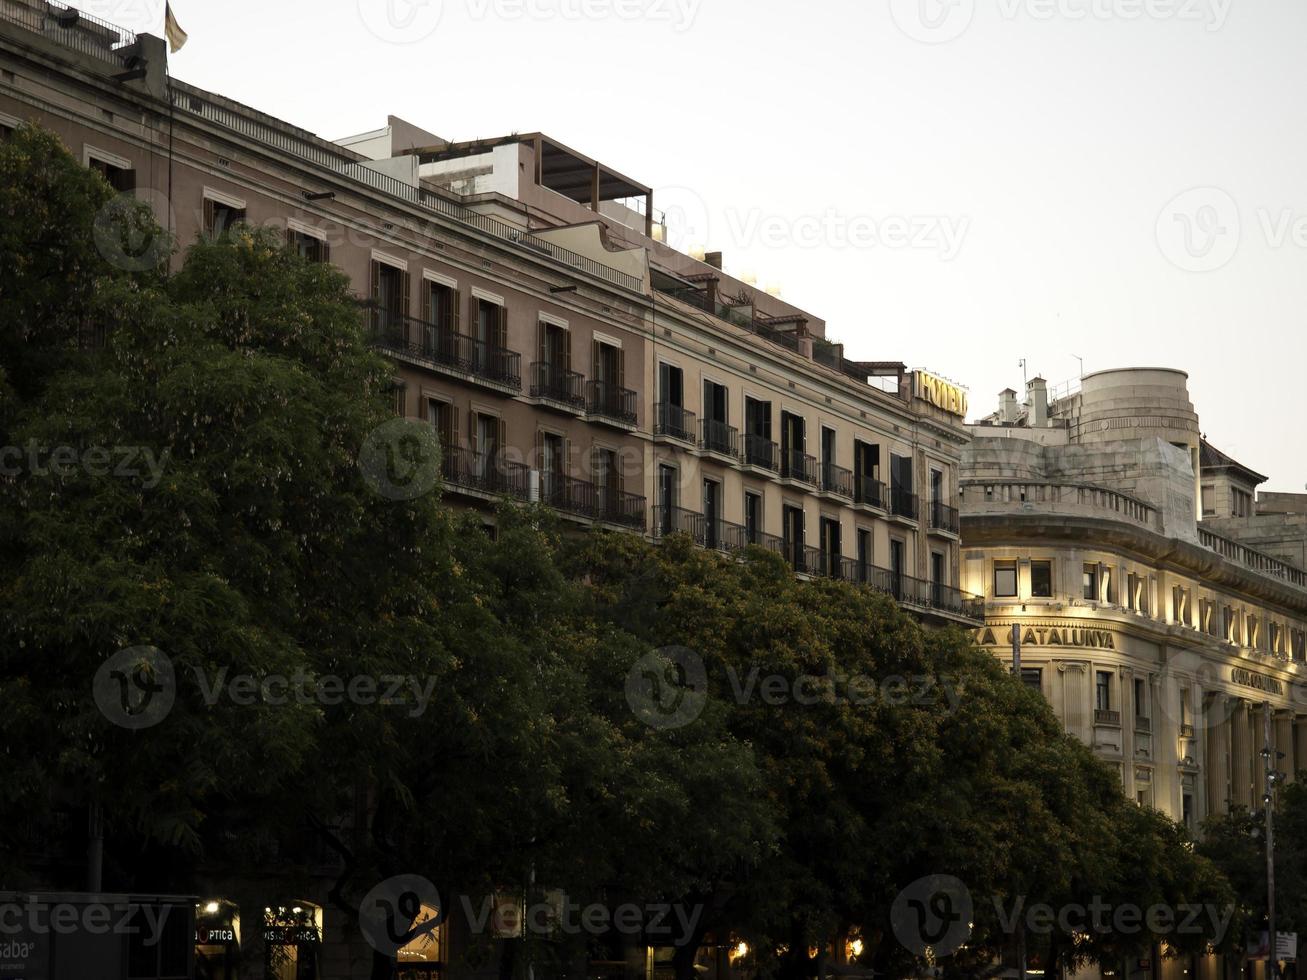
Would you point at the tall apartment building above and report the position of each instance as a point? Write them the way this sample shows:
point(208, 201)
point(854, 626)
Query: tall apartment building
point(537, 319)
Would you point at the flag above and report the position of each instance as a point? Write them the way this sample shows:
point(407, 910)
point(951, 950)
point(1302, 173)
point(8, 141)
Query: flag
point(173, 30)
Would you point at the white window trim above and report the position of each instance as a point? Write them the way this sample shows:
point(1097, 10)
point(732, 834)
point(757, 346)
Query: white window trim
point(603, 338)
point(556, 321)
point(385, 258)
point(492, 298)
point(90, 153)
point(212, 194)
point(306, 229)
point(485, 408)
point(431, 275)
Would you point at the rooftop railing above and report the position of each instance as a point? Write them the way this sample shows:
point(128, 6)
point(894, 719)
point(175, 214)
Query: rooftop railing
point(70, 27)
point(1250, 558)
point(1059, 498)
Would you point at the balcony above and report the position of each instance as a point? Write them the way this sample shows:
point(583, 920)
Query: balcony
point(798, 465)
point(444, 350)
point(568, 495)
point(869, 492)
point(1102, 716)
point(944, 518)
point(557, 388)
point(1143, 723)
point(624, 509)
point(760, 452)
point(673, 422)
point(464, 471)
point(836, 480)
point(678, 520)
point(719, 438)
point(903, 504)
point(606, 402)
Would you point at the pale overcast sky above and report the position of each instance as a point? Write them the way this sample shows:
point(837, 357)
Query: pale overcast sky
point(957, 184)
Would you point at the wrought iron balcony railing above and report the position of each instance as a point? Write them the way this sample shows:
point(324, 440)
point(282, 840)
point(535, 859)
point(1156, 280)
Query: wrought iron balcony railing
point(868, 491)
point(944, 518)
point(798, 465)
point(762, 452)
point(718, 437)
point(674, 421)
point(903, 503)
point(608, 401)
point(467, 470)
point(616, 507)
point(551, 383)
point(836, 479)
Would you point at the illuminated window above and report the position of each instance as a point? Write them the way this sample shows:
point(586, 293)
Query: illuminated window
point(1005, 578)
point(1091, 582)
point(1041, 579)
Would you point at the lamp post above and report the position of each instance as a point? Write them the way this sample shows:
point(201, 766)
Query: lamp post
point(1273, 776)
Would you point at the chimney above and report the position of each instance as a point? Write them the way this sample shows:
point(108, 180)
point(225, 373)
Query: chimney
point(1007, 406)
point(1037, 392)
point(714, 259)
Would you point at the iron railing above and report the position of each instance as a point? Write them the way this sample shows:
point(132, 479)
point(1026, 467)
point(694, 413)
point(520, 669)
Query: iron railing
point(836, 479)
point(944, 518)
point(674, 422)
point(612, 506)
point(551, 383)
point(567, 494)
point(608, 401)
point(869, 491)
point(72, 28)
point(464, 469)
point(762, 452)
point(903, 503)
point(798, 465)
point(443, 347)
point(718, 437)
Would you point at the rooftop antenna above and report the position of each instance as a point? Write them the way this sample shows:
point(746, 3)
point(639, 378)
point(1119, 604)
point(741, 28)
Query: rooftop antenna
point(1025, 381)
point(1082, 365)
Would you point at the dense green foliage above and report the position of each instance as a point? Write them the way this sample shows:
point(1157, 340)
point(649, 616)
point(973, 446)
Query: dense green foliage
point(837, 751)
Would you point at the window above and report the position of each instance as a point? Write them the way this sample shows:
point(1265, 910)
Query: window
point(118, 172)
point(866, 474)
point(864, 554)
point(1186, 717)
point(1109, 584)
point(1276, 637)
point(759, 450)
point(440, 319)
point(401, 399)
point(1241, 503)
point(1180, 605)
point(753, 517)
point(712, 495)
point(667, 495)
point(1005, 578)
point(308, 246)
point(1141, 698)
point(897, 552)
point(1103, 691)
point(1090, 580)
point(1209, 501)
point(221, 216)
point(444, 419)
point(1137, 587)
point(794, 446)
point(1041, 579)
point(1254, 632)
point(1228, 620)
point(831, 546)
point(792, 525)
point(389, 302)
point(1300, 645)
point(6, 131)
point(718, 437)
point(673, 420)
point(1187, 810)
point(1033, 678)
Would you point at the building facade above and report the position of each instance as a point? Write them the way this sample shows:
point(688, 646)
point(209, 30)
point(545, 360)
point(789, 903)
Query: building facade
point(1167, 645)
point(562, 351)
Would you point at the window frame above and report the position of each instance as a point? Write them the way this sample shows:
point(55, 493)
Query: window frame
point(1006, 565)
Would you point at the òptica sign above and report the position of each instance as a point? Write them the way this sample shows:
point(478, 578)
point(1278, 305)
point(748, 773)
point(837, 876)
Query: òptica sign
point(1083, 637)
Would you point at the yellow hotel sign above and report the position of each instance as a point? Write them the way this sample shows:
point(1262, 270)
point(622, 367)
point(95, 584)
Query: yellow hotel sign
point(940, 393)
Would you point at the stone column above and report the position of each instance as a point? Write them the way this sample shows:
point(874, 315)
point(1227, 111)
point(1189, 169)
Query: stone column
point(1217, 771)
point(1076, 694)
point(1241, 776)
point(1166, 775)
